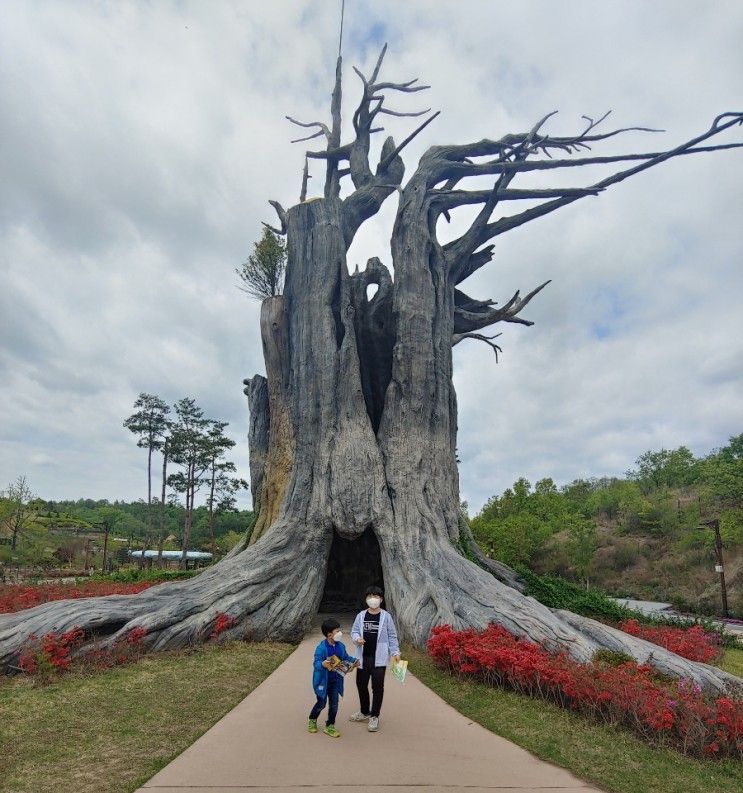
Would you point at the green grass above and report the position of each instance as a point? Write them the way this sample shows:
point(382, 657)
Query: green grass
point(732, 661)
point(607, 757)
point(110, 732)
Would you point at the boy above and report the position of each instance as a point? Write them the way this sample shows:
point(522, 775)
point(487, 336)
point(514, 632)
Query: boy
point(328, 685)
point(375, 636)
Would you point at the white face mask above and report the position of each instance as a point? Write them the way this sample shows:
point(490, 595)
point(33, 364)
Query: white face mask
point(373, 603)
point(337, 636)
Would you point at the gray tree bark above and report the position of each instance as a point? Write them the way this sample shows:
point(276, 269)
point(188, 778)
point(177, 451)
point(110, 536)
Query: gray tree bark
point(256, 390)
point(355, 426)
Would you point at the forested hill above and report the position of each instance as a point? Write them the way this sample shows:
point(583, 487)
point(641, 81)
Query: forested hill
point(635, 536)
point(49, 525)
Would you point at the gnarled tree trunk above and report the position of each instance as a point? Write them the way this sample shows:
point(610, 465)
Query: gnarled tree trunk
point(353, 432)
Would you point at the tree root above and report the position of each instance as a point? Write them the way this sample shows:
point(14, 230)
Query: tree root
point(450, 589)
point(272, 590)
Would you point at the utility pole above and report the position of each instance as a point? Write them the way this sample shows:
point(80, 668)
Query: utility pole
point(720, 566)
point(106, 529)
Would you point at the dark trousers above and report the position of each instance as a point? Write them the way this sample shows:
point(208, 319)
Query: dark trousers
point(376, 675)
point(330, 697)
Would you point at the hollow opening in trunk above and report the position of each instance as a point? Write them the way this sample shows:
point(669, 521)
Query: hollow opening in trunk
point(353, 565)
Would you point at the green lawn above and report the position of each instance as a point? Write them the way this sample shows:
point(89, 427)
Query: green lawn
point(110, 732)
point(732, 661)
point(607, 757)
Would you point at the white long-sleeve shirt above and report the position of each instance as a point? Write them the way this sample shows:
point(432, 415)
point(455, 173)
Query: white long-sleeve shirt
point(387, 643)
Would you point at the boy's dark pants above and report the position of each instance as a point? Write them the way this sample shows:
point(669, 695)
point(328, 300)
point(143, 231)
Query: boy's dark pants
point(363, 675)
point(331, 697)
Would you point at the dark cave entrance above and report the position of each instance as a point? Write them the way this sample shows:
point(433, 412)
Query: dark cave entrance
point(353, 565)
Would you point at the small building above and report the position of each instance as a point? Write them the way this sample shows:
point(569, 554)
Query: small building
point(193, 558)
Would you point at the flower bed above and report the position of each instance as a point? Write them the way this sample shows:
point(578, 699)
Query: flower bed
point(54, 653)
point(16, 597)
point(693, 643)
point(673, 713)
point(47, 657)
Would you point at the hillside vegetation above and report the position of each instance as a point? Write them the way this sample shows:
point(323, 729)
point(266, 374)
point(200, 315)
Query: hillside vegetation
point(63, 533)
point(636, 536)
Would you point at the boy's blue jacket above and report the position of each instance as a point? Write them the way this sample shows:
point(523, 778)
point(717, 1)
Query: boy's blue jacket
point(323, 651)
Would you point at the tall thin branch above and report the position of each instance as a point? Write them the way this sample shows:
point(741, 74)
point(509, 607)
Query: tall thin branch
point(332, 180)
point(305, 178)
point(391, 156)
point(340, 36)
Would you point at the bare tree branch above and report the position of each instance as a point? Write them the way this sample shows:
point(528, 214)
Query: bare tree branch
point(372, 104)
point(506, 145)
point(450, 199)
point(332, 180)
point(457, 337)
point(323, 129)
point(335, 155)
point(474, 262)
point(458, 251)
point(373, 187)
point(305, 178)
point(386, 161)
point(408, 88)
point(459, 171)
point(308, 137)
point(472, 315)
point(281, 212)
point(385, 111)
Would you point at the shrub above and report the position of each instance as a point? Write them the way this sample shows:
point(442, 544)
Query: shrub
point(51, 654)
point(222, 623)
point(693, 642)
point(557, 593)
point(16, 597)
point(618, 692)
point(54, 654)
point(136, 574)
point(612, 658)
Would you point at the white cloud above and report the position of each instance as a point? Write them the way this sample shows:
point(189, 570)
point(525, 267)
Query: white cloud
point(141, 142)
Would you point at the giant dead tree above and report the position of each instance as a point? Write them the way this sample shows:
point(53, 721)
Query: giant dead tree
point(353, 430)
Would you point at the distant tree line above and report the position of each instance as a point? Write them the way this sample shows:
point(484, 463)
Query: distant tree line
point(665, 497)
point(192, 455)
point(60, 532)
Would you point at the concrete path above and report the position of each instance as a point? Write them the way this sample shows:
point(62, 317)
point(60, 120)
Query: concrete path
point(423, 746)
point(655, 608)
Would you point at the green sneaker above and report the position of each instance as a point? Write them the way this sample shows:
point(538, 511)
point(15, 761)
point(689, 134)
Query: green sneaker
point(312, 725)
point(331, 731)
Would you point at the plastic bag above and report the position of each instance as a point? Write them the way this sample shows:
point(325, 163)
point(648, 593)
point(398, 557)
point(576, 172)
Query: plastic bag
point(400, 670)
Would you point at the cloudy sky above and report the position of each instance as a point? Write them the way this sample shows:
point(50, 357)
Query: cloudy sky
point(140, 141)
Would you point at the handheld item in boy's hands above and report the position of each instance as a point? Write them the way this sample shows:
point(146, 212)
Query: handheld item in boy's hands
point(400, 670)
point(342, 667)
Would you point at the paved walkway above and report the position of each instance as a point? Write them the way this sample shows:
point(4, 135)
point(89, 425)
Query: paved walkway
point(423, 746)
point(655, 608)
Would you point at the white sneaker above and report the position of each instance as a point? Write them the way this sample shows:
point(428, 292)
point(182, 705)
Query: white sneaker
point(373, 724)
point(358, 716)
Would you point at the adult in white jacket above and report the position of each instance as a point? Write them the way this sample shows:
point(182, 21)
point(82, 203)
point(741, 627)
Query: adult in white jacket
point(375, 637)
